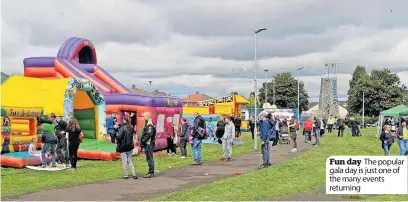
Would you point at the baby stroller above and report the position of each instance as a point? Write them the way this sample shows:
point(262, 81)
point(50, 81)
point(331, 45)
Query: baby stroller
point(284, 135)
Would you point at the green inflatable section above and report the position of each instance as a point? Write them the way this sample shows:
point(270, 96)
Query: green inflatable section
point(86, 119)
point(97, 145)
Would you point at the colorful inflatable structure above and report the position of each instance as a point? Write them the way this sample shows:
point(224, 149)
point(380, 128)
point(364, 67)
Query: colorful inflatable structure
point(65, 97)
point(77, 58)
point(229, 105)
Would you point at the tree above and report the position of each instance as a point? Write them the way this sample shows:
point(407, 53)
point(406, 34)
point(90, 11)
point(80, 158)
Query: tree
point(251, 100)
point(382, 90)
point(286, 92)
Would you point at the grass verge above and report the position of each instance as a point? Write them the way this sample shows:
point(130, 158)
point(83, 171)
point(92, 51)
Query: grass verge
point(299, 175)
point(20, 181)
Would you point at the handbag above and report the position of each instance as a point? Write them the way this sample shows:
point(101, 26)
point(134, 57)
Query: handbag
point(175, 139)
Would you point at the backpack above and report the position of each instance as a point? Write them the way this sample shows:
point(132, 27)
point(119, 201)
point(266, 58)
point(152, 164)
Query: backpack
point(272, 131)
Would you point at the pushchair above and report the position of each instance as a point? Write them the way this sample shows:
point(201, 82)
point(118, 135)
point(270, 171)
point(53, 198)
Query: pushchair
point(284, 135)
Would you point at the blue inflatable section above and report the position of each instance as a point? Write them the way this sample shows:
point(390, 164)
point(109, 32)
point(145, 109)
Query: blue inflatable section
point(206, 117)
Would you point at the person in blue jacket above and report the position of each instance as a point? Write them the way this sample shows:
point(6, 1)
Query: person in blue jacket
point(110, 125)
point(265, 133)
point(272, 136)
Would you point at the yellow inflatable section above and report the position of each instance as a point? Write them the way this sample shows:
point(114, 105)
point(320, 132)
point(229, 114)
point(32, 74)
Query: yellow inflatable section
point(36, 92)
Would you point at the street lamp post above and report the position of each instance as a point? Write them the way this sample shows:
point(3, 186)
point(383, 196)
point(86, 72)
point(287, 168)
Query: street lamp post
point(256, 87)
point(274, 92)
point(363, 111)
point(266, 85)
point(298, 94)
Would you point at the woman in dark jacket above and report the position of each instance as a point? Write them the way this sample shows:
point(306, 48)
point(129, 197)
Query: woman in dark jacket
point(387, 139)
point(251, 126)
point(74, 139)
point(124, 145)
point(184, 135)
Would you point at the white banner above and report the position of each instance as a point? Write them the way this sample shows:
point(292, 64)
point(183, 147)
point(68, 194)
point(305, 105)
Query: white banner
point(367, 175)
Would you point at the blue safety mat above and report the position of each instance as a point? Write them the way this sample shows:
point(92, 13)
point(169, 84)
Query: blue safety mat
point(23, 155)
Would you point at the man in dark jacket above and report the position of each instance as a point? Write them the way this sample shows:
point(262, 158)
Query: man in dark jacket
point(220, 129)
point(265, 130)
point(184, 135)
point(199, 125)
point(59, 129)
point(237, 123)
point(148, 134)
point(49, 141)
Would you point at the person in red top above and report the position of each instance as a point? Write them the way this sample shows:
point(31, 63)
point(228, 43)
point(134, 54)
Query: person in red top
point(307, 129)
point(169, 132)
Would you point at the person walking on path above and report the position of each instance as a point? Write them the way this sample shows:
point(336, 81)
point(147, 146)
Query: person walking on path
point(403, 139)
point(227, 139)
point(317, 126)
point(272, 136)
point(74, 139)
point(265, 127)
point(110, 125)
point(277, 130)
point(387, 139)
point(148, 140)
point(199, 132)
point(125, 146)
point(184, 135)
point(293, 134)
point(210, 129)
point(49, 141)
point(251, 126)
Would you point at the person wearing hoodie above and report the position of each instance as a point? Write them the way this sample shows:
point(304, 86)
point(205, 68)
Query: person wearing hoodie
point(198, 136)
point(265, 128)
point(49, 141)
point(227, 139)
point(148, 134)
point(402, 137)
point(184, 135)
point(125, 146)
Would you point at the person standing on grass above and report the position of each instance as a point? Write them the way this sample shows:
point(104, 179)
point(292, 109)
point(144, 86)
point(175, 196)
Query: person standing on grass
point(387, 139)
point(265, 128)
point(251, 126)
point(322, 127)
point(49, 141)
point(184, 135)
point(110, 125)
point(169, 131)
point(227, 139)
point(341, 127)
point(293, 134)
point(148, 141)
point(199, 131)
point(307, 129)
point(220, 129)
point(210, 129)
point(317, 128)
point(403, 139)
point(59, 128)
point(238, 124)
point(125, 146)
point(74, 139)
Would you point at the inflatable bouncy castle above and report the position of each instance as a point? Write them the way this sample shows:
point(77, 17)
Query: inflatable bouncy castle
point(77, 58)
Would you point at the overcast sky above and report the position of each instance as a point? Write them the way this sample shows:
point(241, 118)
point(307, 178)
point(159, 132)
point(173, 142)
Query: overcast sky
point(208, 45)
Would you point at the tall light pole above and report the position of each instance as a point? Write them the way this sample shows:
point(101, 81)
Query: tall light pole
point(266, 85)
point(274, 92)
point(363, 111)
point(256, 86)
point(298, 94)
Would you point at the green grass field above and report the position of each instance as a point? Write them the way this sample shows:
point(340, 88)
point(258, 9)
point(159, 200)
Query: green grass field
point(20, 181)
point(303, 174)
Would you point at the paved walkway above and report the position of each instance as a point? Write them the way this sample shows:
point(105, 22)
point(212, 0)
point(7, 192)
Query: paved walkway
point(166, 182)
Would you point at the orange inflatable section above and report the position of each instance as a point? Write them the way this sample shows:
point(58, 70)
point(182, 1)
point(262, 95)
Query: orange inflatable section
point(98, 155)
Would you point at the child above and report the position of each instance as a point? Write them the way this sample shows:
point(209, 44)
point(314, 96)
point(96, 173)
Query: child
point(32, 148)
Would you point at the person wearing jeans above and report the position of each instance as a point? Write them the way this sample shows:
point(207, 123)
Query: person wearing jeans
point(49, 141)
point(197, 150)
point(387, 139)
point(210, 129)
point(403, 139)
point(265, 128)
point(317, 131)
point(185, 128)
